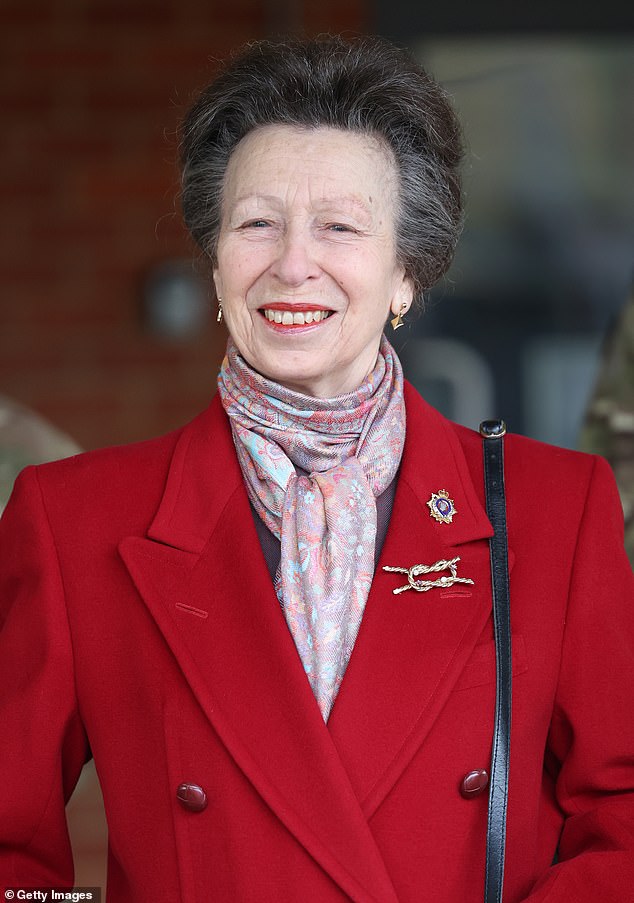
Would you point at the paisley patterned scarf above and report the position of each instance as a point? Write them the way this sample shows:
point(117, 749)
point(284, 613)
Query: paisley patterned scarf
point(347, 451)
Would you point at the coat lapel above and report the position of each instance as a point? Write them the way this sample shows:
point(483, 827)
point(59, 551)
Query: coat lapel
point(412, 647)
point(202, 575)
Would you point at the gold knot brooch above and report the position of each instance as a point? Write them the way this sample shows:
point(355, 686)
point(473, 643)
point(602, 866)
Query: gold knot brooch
point(422, 586)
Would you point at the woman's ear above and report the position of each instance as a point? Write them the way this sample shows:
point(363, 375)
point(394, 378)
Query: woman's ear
point(217, 282)
point(403, 297)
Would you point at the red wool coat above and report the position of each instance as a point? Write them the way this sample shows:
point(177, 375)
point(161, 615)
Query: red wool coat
point(141, 626)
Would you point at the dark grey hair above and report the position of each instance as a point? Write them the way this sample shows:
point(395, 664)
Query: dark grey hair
point(367, 86)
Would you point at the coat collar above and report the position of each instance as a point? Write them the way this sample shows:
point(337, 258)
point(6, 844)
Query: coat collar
point(204, 473)
point(203, 577)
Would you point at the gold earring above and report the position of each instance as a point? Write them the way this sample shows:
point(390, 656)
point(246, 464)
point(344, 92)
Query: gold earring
point(219, 316)
point(397, 322)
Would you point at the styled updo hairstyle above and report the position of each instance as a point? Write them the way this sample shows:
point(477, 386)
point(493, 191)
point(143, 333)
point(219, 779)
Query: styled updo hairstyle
point(367, 86)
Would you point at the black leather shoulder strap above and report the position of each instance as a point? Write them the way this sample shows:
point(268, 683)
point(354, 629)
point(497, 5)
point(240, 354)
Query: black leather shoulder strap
point(492, 432)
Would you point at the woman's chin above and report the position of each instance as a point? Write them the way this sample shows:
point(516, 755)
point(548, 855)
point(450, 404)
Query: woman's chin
point(312, 359)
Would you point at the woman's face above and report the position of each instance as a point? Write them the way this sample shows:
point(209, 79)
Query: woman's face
point(306, 263)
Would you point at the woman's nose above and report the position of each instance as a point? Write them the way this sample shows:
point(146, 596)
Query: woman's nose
point(295, 262)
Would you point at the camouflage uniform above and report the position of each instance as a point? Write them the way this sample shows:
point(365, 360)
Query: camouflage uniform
point(609, 426)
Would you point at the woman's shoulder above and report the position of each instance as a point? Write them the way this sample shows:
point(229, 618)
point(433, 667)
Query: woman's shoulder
point(527, 452)
point(553, 494)
point(129, 477)
point(557, 481)
point(539, 477)
point(525, 457)
point(100, 464)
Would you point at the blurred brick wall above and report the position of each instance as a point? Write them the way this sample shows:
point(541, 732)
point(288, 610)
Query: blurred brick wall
point(91, 92)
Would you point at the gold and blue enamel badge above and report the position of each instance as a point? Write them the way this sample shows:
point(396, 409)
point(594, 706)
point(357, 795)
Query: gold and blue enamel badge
point(441, 507)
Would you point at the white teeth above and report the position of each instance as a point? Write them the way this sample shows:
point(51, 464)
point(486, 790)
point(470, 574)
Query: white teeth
point(295, 318)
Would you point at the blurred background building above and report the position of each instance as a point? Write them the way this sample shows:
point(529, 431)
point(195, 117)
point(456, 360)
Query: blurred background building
point(105, 322)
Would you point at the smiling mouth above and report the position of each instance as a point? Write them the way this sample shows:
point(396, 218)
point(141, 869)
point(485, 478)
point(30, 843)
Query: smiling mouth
point(295, 317)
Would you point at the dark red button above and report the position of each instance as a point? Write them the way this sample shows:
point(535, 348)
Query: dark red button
point(191, 797)
point(474, 783)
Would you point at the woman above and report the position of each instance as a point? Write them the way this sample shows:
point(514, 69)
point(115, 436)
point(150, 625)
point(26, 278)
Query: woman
point(208, 614)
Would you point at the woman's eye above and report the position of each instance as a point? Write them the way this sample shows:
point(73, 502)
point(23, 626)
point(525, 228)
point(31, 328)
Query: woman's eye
point(339, 227)
point(256, 224)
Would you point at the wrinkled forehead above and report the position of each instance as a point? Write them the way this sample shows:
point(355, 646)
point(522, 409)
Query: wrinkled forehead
point(334, 162)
